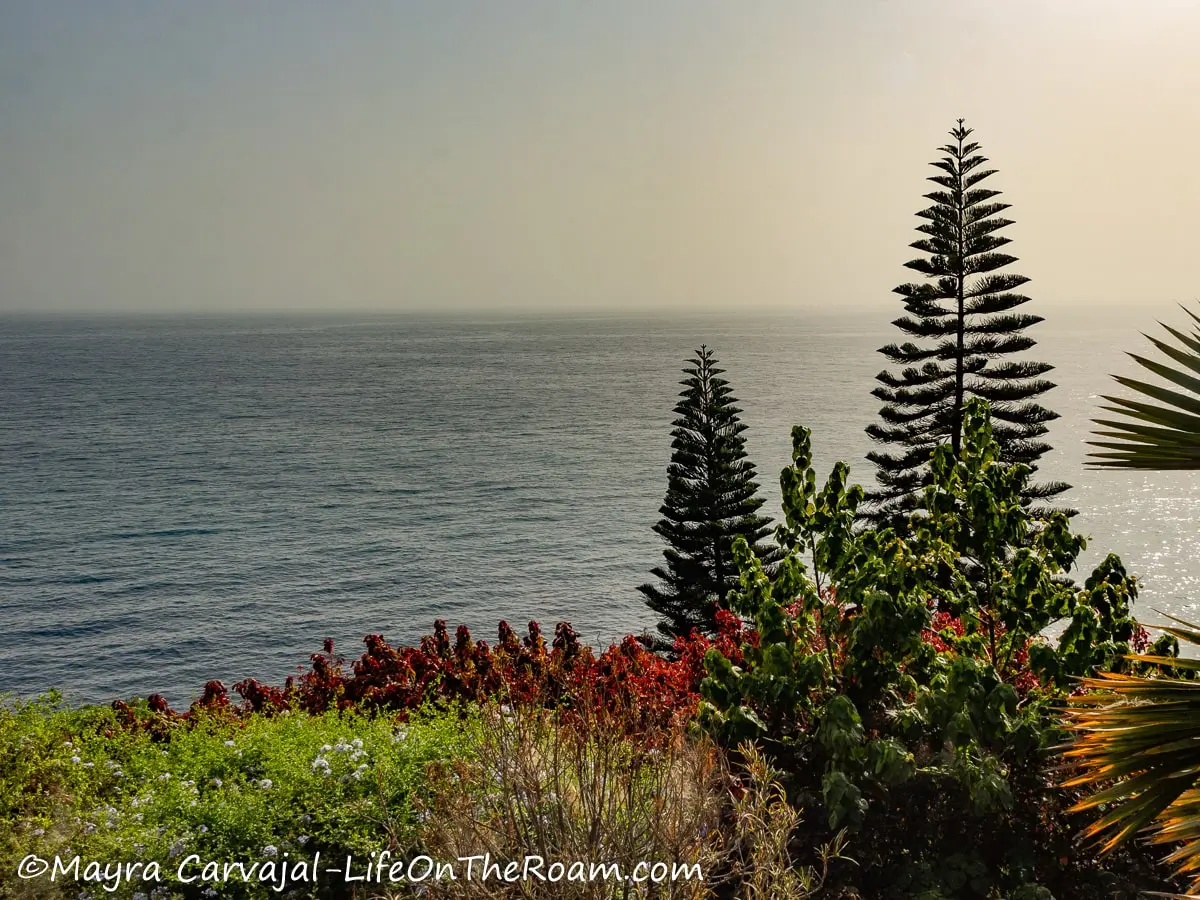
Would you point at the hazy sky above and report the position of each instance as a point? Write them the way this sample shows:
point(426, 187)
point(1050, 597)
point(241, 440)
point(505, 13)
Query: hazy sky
point(599, 156)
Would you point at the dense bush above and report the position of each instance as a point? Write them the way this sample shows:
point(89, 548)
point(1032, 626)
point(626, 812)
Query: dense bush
point(261, 789)
point(904, 682)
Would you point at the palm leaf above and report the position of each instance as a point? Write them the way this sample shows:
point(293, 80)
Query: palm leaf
point(1138, 740)
point(1163, 433)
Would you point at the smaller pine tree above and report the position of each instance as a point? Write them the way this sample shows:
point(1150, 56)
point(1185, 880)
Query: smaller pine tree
point(712, 498)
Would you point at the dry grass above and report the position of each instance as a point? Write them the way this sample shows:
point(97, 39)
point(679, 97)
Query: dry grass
point(583, 794)
point(759, 854)
point(568, 794)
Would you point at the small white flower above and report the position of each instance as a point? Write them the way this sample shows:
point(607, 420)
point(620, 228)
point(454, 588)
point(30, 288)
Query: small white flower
point(216, 782)
point(165, 776)
point(202, 829)
point(326, 748)
point(270, 850)
point(302, 840)
point(68, 744)
point(266, 784)
point(141, 896)
point(38, 832)
point(89, 765)
point(230, 744)
point(76, 760)
point(356, 743)
point(209, 892)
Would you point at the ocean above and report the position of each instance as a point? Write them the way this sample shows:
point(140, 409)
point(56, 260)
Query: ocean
point(183, 499)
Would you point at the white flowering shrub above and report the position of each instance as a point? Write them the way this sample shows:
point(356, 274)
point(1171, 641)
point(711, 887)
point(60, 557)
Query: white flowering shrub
point(259, 788)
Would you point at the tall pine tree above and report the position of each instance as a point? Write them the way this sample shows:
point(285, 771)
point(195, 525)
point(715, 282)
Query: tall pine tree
point(963, 322)
point(711, 499)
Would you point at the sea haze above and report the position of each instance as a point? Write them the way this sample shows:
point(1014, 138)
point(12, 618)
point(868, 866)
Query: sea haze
point(189, 499)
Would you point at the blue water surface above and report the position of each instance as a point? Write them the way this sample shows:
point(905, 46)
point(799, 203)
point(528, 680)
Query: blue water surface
point(194, 498)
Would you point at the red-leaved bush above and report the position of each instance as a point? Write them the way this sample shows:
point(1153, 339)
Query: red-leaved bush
point(626, 685)
point(1015, 670)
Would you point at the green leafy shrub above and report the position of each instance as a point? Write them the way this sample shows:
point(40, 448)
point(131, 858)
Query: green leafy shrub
point(904, 680)
point(263, 788)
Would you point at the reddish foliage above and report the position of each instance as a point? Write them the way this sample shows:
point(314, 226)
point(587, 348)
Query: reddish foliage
point(627, 685)
point(1015, 671)
point(1140, 642)
point(943, 621)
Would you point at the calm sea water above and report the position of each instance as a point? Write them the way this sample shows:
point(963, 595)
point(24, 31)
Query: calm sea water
point(186, 499)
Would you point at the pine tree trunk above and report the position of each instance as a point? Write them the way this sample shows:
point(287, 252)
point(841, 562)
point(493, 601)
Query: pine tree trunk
point(961, 275)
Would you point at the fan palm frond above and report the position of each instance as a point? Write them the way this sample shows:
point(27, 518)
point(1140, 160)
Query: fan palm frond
point(1137, 740)
point(1162, 429)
